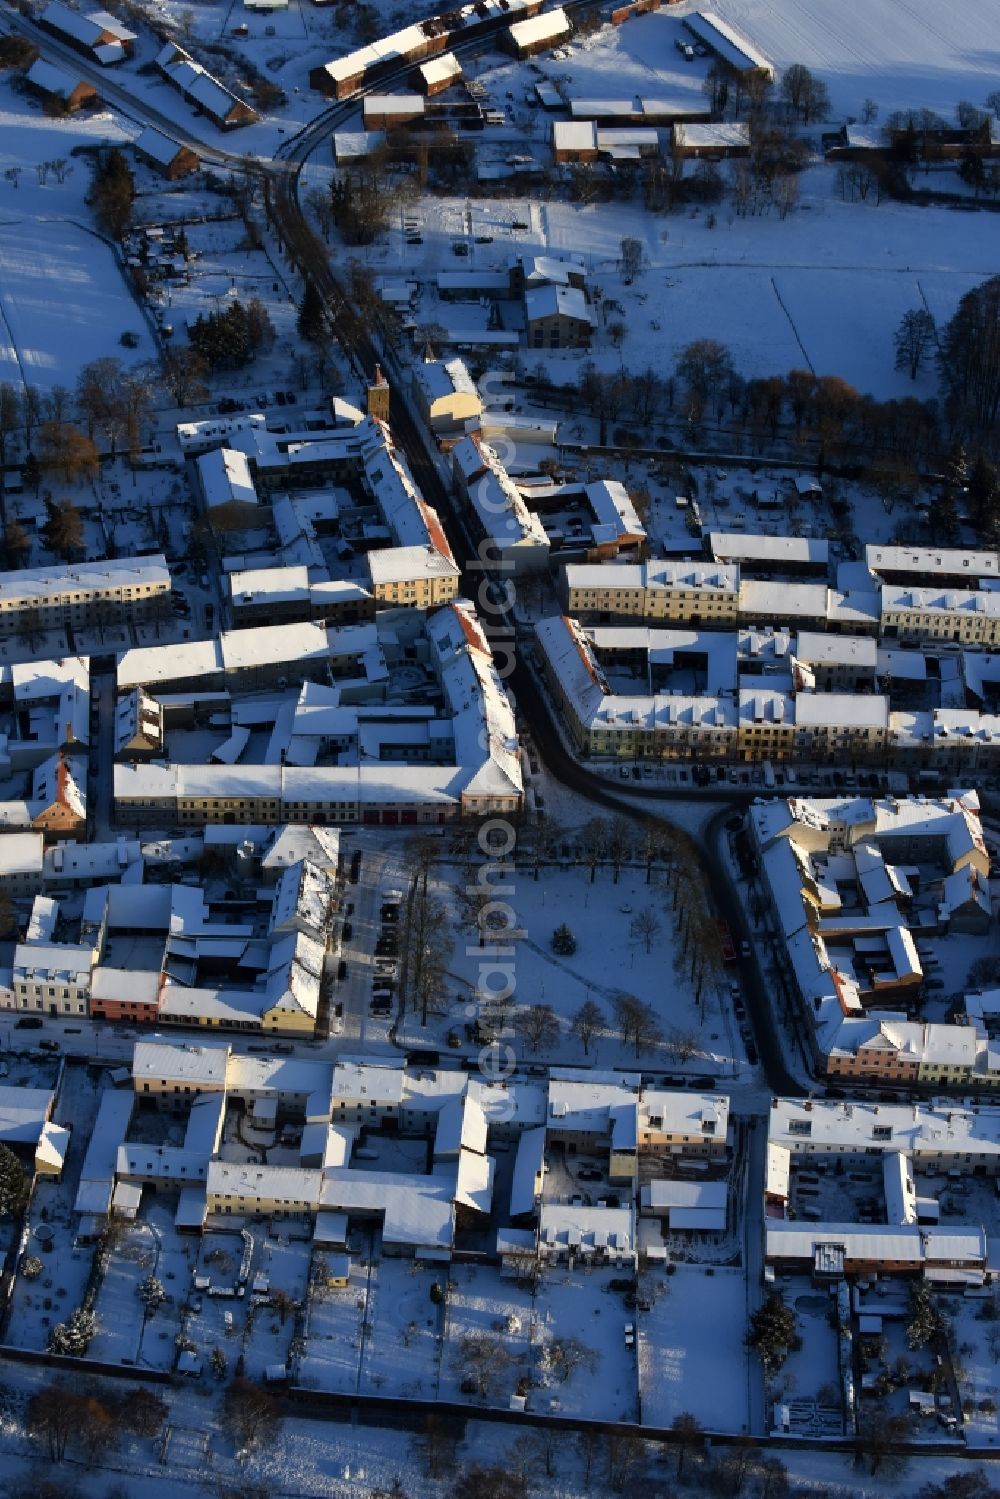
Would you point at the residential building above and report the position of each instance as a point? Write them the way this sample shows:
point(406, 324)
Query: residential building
point(82, 594)
point(693, 592)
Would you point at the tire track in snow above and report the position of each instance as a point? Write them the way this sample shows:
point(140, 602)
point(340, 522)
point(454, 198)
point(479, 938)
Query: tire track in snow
point(5, 321)
point(791, 324)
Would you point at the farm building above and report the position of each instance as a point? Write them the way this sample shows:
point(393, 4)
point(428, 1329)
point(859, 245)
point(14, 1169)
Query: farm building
point(557, 317)
point(98, 35)
point(538, 33)
point(203, 92)
point(384, 111)
point(582, 140)
point(574, 140)
point(727, 44)
point(438, 73)
point(164, 155)
point(58, 88)
point(712, 142)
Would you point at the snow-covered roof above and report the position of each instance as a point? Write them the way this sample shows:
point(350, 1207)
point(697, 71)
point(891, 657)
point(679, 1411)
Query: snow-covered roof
point(529, 1168)
point(87, 29)
point(45, 584)
point(727, 42)
point(585, 1231)
point(723, 135)
point(903, 599)
point(549, 300)
point(21, 853)
point(443, 69)
point(52, 80)
point(159, 148)
point(23, 1112)
point(952, 562)
point(739, 546)
point(225, 478)
point(874, 1242)
point(461, 1126)
point(201, 1066)
point(407, 564)
point(548, 26)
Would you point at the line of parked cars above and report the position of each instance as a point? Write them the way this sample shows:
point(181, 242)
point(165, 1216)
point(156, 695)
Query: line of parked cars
point(386, 953)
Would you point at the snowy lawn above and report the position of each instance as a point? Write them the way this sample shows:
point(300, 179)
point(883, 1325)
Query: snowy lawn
point(119, 1310)
point(332, 1343)
point(810, 1377)
point(580, 1327)
point(402, 1350)
point(37, 1305)
point(490, 1310)
point(268, 1331)
point(691, 1351)
point(609, 959)
point(976, 1331)
point(63, 303)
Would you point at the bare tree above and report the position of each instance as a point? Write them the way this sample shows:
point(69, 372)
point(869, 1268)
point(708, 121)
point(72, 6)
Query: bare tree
point(53, 1413)
point(619, 844)
point(143, 1412)
point(631, 257)
point(482, 1362)
point(913, 339)
point(646, 926)
point(637, 1023)
point(426, 937)
point(249, 1413)
point(438, 1439)
point(10, 417)
point(67, 451)
point(682, 1044)
point(689, 1437)
point(594, 844)
point(490, 1483)
point(539, 1025)
point(587, 1023)
point(184, 373)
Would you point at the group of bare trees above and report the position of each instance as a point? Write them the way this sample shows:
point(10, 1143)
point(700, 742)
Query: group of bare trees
point(677, 899)
point(426, 937)
point(84, 1417)
point(620, 1460)
point(58, 431)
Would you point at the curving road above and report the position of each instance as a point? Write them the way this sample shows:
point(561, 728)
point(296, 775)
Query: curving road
point(281, 178)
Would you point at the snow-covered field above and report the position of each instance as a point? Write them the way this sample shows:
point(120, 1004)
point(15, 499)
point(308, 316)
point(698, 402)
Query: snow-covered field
point(578, 1304)
point(824, 289)
point(403, 1349)
point(608, 960)
point(333, 1335)
point(691, 1351)
point(483, 1304)
point(63, 303)
point(902, 53)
